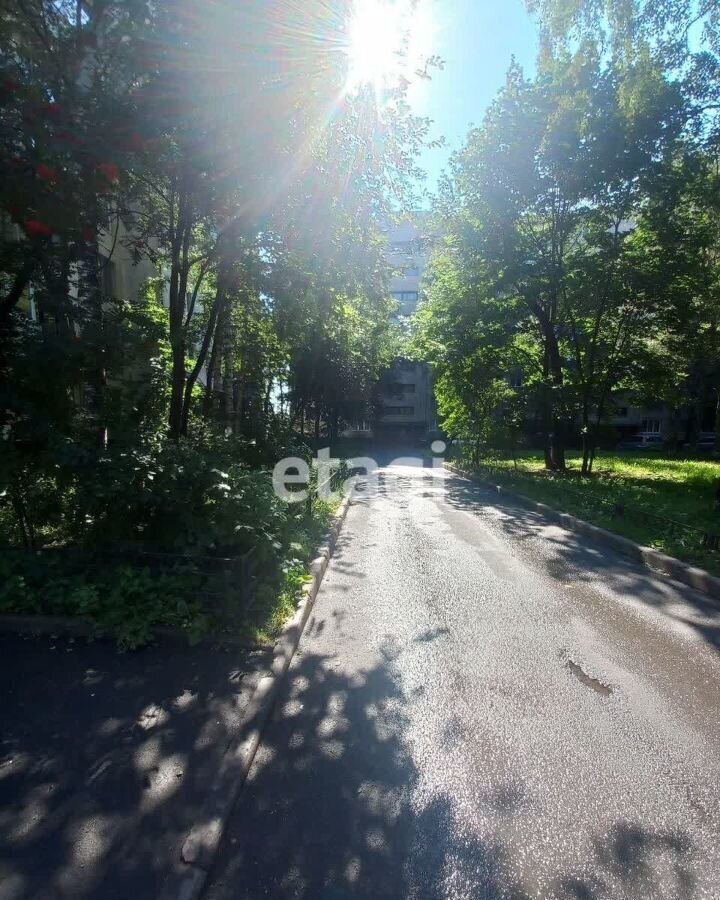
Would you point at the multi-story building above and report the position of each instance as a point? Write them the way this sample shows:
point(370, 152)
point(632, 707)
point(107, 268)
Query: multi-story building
point(405, 410)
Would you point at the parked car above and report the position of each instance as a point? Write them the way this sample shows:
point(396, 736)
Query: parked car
point(641, 442)
point(705, 442)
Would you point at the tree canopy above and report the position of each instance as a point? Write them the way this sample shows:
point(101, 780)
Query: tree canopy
point(574, 258)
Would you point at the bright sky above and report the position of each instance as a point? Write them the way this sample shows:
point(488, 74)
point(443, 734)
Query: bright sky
point(476, 38)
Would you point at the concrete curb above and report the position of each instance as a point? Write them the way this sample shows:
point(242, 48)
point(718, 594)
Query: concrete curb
point(200, 847)
point(692, 576)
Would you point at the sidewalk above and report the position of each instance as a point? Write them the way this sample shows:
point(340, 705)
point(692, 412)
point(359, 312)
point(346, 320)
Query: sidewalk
point(105, 759)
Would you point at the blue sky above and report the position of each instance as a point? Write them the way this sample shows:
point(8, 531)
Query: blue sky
point(476, 38)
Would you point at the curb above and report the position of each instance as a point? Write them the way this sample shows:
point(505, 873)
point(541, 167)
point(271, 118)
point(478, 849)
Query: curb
point(200, 847)
point(692, 576)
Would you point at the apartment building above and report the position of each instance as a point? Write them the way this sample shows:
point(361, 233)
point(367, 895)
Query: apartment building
point(405, 410)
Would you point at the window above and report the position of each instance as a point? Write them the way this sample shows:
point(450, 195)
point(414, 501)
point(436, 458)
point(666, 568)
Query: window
point(399, 411)
point(407, 300)
point(399, 387)
point(650, 426)
point(515, 378)
point(622, 411)
point(107, 278)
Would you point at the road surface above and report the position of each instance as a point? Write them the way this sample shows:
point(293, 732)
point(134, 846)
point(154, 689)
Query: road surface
point(485, 706)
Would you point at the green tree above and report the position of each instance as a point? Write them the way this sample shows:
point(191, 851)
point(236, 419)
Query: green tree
point(223, 155)
point(682, 36)
point(544, 195)
point(466, 334)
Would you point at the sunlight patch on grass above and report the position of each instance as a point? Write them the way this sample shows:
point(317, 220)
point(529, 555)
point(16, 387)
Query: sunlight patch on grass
point(682, 490)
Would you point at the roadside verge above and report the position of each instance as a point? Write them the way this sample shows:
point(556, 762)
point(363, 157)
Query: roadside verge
point(200, 846)
point(654, 560)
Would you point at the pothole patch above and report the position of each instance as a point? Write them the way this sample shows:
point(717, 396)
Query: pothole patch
point(588, 680)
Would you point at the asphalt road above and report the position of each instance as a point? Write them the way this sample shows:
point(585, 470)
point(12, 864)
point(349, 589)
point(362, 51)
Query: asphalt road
point(485, 706)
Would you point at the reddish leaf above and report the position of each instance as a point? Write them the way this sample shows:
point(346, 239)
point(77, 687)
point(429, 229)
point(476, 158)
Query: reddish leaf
point(136, 142)
point(46, 173)
point(109, 170)
point(37, 228)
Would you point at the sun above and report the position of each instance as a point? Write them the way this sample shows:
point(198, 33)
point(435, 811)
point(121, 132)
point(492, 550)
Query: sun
point(386, 40)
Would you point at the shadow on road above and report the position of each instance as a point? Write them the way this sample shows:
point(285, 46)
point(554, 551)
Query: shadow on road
point(335, 809)
point(647, 865)
point(329, 811)
point(105, 759)
point(578, 559)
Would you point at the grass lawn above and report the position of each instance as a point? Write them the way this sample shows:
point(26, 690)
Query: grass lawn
point(679, 489)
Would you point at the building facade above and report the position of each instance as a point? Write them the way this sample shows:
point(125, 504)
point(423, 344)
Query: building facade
point(405, 408)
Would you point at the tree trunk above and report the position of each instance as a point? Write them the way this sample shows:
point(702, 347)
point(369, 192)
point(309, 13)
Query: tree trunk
point(587, 441)
point(227, 381)
point(212, 373)
point(179, 271)
point(177, 389)
point(546, 411)
point(556, 445)
point(266, 408)
point(586, 449)
point(215, 313)
point(333, 426)
point(20, 282)
point(91, 300)
point(24, 527)
point(238, 401)
point(693, 426)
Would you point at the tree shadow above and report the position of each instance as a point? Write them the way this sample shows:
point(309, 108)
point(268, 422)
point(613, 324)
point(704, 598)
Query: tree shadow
point(643, 864)
point(431, 634)
point(106, 759)
point(330, 808)
point(335, 807)
point(577, 559)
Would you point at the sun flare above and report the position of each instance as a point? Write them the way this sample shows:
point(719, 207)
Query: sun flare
point(387, 41)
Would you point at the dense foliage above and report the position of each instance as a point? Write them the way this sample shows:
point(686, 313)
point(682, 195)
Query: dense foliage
point(579, 261)
point(191, 267)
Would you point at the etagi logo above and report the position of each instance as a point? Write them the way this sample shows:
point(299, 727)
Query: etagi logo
point(292, 476)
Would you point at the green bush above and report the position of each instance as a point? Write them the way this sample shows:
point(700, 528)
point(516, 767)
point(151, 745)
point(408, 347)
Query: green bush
point(190, 499)
point(127, 602)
